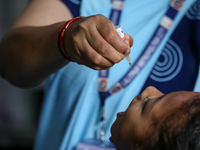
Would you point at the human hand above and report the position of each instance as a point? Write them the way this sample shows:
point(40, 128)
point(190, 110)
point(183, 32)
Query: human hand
point(94, 42)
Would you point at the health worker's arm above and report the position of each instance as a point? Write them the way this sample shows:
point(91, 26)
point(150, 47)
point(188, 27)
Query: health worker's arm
point(29, 52)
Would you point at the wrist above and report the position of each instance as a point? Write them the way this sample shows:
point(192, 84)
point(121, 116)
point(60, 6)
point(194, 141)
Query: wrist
point(61, 38)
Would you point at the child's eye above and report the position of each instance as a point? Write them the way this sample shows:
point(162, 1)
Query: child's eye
point(144, 102)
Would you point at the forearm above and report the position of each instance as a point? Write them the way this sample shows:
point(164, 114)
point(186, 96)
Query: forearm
point(28, 55)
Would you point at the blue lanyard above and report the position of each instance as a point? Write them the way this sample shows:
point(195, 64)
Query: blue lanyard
point(117, 6)
point(163, 27)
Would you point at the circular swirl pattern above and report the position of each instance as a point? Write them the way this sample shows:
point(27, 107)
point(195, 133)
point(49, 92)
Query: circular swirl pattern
point(194, 12)
point(169, 64)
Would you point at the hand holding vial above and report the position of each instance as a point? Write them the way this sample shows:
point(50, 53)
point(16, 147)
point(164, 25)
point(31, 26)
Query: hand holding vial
point(93, 42)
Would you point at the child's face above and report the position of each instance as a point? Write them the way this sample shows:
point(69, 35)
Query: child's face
point(146, 111)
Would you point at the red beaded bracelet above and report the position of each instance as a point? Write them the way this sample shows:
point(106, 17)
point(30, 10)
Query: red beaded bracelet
point(60, 39)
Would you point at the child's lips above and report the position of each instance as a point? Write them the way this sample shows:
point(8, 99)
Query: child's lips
point(111, 140)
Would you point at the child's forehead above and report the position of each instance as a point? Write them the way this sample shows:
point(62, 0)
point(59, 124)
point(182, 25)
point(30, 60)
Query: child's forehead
point(184, 95)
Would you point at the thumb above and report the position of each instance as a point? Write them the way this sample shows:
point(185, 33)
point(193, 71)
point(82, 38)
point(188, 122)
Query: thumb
point(129, 39)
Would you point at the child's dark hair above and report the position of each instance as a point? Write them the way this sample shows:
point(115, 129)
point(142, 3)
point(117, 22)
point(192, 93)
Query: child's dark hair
point(179, 131)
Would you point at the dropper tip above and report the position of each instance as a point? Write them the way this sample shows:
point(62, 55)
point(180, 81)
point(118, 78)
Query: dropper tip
point(128, 60)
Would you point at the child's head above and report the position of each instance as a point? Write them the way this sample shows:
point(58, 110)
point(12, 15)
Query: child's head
point(157, 121)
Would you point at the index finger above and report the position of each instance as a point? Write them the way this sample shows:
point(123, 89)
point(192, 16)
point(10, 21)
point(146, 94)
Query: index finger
point(109, 33)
